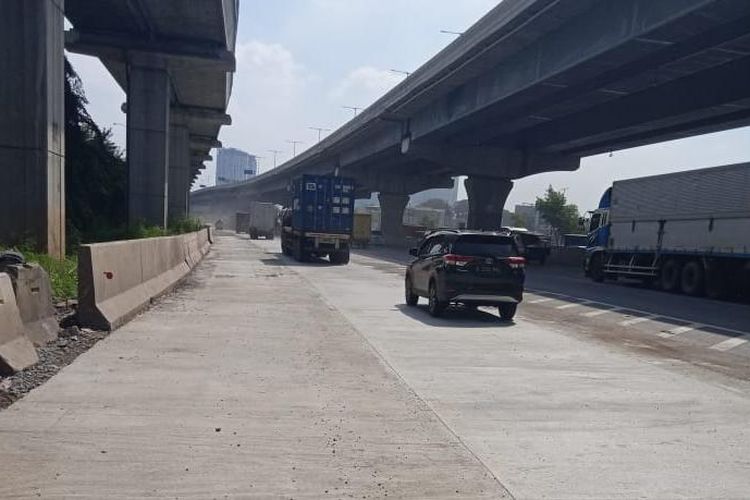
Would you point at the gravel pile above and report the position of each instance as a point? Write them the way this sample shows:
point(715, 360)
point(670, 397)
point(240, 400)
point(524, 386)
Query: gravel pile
point(72, 342)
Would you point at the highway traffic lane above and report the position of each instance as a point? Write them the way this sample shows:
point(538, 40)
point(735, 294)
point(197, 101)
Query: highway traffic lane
point(631, 295)
point(571, 282)
point(553, 413)
point(707, 345)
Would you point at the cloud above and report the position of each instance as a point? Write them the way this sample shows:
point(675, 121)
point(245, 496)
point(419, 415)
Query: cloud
point(364, 85)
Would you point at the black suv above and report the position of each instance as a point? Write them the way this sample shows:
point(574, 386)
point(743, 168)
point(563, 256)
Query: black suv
point(467, 267)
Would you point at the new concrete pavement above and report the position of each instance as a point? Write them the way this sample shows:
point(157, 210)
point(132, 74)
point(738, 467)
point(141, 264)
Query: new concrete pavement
point(266, 378)
point(244, 384)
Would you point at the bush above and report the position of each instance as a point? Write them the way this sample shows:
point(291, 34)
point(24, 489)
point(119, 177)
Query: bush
point(63, 274)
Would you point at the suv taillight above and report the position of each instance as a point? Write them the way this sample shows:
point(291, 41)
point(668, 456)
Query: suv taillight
point(456, 260)
point(516, 262)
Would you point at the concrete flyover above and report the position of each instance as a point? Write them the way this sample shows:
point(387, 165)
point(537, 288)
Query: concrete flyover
point(173, 58)
point(532, 87)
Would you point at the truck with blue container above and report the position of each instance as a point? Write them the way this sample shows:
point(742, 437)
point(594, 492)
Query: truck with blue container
point(320, 219)
point(685, 232)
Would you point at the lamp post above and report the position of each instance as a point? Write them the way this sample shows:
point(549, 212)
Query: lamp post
point(353, 108)
point(294, 146)
point(320, 131)
point(275, 152)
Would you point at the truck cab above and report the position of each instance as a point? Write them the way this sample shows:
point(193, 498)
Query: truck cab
point(598, 228)
point(597, 232)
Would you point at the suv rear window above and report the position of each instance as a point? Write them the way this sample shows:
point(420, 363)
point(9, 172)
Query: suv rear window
point(478, 245)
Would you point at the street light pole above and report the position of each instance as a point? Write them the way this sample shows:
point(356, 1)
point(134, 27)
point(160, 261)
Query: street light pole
point(320, 131)
point(353, 108)
point(275, 153)
point(294, 146)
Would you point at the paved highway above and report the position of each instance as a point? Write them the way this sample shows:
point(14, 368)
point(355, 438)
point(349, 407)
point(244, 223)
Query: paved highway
point(266, 378)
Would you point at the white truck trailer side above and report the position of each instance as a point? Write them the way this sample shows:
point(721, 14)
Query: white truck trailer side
point(687, 231)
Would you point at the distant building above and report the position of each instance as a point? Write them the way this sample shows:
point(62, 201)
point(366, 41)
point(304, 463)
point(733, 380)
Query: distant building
point(234, 165)
point(450, 195)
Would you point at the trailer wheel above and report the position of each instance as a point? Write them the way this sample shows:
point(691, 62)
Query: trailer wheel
point(299, 252)
point(670, 275)
point(596, 268)
point(692, 278)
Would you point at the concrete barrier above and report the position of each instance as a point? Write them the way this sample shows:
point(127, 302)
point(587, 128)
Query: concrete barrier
point(119, 279)
point(16, 351)
point(34, 300)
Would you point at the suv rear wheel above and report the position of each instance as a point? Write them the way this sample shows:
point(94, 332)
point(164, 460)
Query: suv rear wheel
point(507, 311)
point(435, 306)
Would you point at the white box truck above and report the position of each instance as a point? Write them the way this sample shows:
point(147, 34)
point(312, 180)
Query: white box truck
point(685, 232)
point(263, 217)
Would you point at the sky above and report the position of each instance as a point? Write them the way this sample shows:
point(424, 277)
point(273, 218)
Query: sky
point(300, 61)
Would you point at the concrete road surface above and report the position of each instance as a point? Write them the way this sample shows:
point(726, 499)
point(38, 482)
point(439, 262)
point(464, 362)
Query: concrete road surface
point(266, 378)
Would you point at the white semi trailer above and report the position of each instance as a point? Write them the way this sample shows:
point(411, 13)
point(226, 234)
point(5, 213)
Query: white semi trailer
point(685, 232)
point(262, 220)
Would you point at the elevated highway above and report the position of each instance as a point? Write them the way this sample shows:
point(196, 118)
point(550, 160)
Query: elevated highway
point(532, 87)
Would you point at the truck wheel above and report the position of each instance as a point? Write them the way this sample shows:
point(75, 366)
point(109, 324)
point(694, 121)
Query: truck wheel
point(692, 278)
point(436, 307)
point(507, 311)
point(299, 252)
point(411, 297)
point(670, 275)
point(596, 268)
point(339, 258)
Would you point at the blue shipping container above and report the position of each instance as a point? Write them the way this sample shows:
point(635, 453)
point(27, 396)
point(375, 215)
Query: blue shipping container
point(323, 203)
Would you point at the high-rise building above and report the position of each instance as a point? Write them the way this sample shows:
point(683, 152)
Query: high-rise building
point(234, 165)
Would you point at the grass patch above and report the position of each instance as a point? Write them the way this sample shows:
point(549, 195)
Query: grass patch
point(63, 274)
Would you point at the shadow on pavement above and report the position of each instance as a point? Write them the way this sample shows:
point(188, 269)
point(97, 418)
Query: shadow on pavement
point(453, 317)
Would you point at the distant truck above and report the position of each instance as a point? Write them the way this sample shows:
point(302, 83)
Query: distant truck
point(241, 222)
point(685, 232)
point(262, 220)
point(320, 220)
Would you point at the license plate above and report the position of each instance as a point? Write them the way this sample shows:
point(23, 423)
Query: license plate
point(328, 241)
point(486, 269)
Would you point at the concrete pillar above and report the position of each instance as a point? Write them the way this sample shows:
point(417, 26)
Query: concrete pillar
point(487, 197)
point(179, 172)
point(32, 124)
point(149, 95)
point(392, 208)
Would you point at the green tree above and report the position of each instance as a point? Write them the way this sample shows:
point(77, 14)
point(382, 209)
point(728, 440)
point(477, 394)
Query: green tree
point(95, 172)
point(555, 209)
